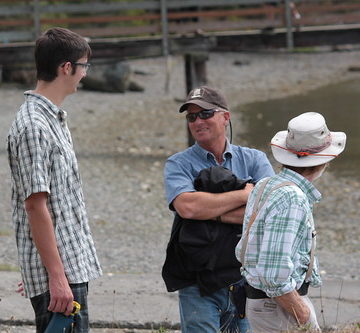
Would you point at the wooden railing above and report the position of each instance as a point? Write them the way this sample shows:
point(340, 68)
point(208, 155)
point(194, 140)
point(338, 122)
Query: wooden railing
point(22, 21)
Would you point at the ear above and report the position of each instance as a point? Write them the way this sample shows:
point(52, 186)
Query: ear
point(65, 68)
point(227, 118)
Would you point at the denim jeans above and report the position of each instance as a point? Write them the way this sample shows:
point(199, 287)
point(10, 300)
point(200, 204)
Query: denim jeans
point(41, 302)
point(209, 314)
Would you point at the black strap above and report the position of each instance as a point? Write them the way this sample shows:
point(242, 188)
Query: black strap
point(254, 293)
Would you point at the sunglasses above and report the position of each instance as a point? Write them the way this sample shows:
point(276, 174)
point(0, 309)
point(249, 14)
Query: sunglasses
point(203, 114)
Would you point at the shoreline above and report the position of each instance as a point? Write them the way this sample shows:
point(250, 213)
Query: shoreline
point(122, 141)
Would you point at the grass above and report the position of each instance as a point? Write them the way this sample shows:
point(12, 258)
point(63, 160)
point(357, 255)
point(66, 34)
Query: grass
point(5, 232)
point(304, 49)
point(353, 328)
point(8, 268)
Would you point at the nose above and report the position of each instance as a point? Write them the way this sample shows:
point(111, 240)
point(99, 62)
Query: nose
point(84, 72)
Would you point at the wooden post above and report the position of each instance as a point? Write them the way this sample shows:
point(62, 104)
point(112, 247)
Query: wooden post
point(289, 27)
point(36, 16)
point(165, 43)
point(195, 76)
point(164, 29)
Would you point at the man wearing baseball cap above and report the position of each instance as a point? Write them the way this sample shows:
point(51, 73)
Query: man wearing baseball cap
point(204, 296)
point(278, 242)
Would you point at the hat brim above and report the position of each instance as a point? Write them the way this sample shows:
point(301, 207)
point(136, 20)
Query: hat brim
point(201, 103)
point(283, 156)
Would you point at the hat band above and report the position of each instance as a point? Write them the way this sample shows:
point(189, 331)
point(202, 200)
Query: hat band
point(312, 150)
point(302, 153)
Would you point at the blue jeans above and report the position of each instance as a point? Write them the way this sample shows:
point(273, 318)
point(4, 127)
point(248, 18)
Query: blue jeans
point(209, 314)
point(41, 302)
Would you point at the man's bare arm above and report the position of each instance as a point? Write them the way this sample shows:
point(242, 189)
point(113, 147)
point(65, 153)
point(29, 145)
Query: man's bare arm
point(235, 216)
point(207, 206)
point(293, 304)
point(42, 232)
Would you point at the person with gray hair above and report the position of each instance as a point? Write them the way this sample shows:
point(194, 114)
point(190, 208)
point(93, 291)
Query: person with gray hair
point(278, 241)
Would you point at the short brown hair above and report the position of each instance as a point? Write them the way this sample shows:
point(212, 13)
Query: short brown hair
point(57, 46)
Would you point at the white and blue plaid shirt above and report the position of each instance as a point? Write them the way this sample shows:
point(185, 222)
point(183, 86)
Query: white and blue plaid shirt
point(42, 159)
point(278, 251)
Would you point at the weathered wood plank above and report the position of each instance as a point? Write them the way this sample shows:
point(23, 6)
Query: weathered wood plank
point(216, 3)
point(268, 11)
point(118, 31)
point(330, 19)
point(11, 10)
point(100, 7)
point(206, 15)
point(18, 36)
point(216, 26)
point(319, 8)
point(15, 23)
point(101, 19)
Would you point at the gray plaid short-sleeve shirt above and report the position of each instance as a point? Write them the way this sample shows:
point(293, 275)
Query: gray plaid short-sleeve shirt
point(42, 159)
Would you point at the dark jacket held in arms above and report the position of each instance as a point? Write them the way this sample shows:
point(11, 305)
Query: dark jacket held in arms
point(202, 252)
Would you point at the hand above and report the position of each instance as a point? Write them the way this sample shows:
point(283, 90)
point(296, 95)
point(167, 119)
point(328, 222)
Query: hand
point(295, 306)
point(304, 316)
point(21, 289)
point(61, 296)
point(247, 189)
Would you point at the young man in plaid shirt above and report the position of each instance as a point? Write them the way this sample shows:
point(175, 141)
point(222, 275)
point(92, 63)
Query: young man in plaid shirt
point(56, 251)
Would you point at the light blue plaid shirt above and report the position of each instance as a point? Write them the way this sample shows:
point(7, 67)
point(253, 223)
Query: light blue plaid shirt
point(278, 250)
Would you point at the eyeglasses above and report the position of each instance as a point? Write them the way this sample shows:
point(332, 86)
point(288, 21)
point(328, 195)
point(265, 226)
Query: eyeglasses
point(84, 65)
point(203, 114)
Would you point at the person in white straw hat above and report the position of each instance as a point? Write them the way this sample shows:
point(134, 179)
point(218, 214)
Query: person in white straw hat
point(278, 241)
point(307, 142)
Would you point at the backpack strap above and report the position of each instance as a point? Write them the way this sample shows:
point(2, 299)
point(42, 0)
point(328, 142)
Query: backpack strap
point(256, 209)
point(312, 258)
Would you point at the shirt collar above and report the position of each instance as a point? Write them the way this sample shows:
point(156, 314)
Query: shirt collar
point(53, 109)
point(205, 154)
point(305, 185)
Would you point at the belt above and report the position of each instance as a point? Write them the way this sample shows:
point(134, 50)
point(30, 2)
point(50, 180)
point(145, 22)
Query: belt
point(254, 293)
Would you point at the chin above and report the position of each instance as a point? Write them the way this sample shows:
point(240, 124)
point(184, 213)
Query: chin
point(203, 141)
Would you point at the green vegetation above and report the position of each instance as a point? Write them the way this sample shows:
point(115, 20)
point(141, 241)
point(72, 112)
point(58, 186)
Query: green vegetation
point(8, 268)
point(5, 232)
point(161, 330)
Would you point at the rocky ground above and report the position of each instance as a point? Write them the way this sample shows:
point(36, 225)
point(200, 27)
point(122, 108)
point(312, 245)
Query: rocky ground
point(122, 141)
point(32, 329)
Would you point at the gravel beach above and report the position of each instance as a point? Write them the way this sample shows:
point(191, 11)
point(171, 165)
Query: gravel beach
point(122, 141)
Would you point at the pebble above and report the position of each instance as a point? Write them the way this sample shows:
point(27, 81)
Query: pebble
point(123, 140)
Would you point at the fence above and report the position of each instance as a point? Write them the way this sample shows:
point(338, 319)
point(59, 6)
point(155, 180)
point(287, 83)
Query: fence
point(22, 21)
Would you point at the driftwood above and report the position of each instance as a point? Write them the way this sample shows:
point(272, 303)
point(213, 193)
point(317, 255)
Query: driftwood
point(113, 77)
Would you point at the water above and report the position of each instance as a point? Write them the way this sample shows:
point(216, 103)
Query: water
point(338, 103)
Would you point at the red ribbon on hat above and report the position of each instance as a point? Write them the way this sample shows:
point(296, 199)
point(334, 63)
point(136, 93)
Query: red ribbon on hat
point(302, 153)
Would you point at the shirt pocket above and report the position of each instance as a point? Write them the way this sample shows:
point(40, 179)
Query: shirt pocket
point(62, 166)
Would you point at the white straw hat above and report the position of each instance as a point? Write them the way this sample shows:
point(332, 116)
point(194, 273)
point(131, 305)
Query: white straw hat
point(307, 142)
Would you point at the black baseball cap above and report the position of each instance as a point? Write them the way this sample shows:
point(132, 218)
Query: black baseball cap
point(205, 97)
